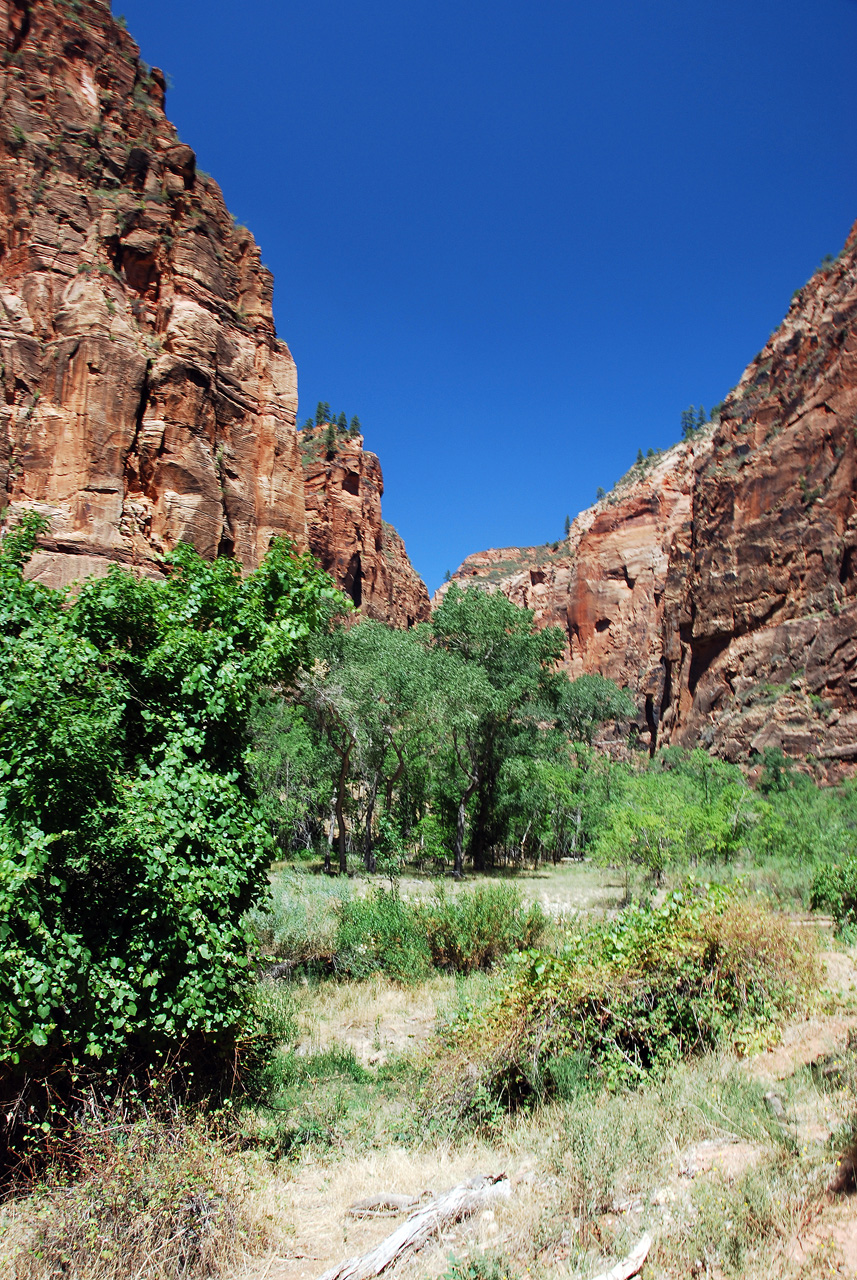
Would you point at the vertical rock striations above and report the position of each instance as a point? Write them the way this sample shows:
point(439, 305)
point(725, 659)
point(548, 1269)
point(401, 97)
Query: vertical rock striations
point(765, 647)
point(147, 399)
point(364, 554)
point(720, 584)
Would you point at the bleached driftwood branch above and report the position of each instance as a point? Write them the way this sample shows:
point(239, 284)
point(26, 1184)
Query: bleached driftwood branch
point(631, 1265)
point(422, 1224)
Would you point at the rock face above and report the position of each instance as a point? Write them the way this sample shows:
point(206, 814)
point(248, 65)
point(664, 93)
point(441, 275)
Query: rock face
point(720, 585)
point(147, 399)
point(763, 647)
point(364, 554)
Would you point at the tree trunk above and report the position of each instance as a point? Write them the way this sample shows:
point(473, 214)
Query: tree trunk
point(458, 866)
point(394, 778)
point(327, 852)
point(368, 847)
point(340, 811)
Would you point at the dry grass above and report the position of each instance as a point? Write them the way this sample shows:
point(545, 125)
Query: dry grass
point(697, 1156)
point(374, 1018)
point(151, 1201)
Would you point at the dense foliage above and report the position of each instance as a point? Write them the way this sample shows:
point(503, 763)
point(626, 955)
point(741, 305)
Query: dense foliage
point(446, 742)
point(130, 844)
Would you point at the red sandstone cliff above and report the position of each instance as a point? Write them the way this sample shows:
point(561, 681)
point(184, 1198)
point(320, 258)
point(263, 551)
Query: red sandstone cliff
point(720, 585)
point(147, 399)
point(364, 554)
point(763, 647)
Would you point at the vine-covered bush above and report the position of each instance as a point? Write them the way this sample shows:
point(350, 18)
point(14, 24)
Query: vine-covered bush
point(129, 841)
point(622, 998)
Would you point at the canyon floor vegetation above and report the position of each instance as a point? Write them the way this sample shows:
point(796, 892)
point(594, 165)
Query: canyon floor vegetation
point(297, 912)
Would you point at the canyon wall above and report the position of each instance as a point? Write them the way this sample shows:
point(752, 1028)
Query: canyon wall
point(719, 581)
point(347, 535)
point(146, 397)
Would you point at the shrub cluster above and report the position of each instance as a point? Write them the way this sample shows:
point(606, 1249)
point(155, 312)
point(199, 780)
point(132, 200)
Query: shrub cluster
point(622, 998)
point(315, 924)
point(834, 889)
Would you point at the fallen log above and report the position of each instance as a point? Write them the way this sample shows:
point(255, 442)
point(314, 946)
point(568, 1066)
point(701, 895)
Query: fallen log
point(463, 1200)
point(631, 1265)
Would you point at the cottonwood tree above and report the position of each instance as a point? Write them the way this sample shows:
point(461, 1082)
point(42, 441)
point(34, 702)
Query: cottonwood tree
point(489, 633)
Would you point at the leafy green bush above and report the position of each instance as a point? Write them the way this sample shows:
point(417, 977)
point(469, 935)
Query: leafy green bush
point(476, 929)
point(834, 889)
point(129, 842)
point(631, 995)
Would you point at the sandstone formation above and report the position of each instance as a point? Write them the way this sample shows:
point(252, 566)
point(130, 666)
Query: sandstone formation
point(364, 554)
point(147, 399)
point(720, 582)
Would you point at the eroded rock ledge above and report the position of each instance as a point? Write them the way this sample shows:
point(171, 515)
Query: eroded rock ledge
point(348, 536)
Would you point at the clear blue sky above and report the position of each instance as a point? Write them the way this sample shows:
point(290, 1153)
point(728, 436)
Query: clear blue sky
point(517, 240)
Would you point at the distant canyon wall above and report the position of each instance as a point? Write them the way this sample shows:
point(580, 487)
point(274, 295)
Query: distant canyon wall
point(720, 582)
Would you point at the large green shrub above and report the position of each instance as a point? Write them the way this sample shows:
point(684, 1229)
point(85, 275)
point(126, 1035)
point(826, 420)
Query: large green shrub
point(834, 889)
point(129, 841)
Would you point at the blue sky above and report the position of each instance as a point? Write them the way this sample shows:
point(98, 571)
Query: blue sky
point(515, 240)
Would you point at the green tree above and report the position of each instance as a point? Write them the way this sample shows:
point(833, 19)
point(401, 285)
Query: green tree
point(322, 413)
point(599, 494)
point(130, 842)
point(640, 458)
point(342, 423)
point(688, 422)
point(490, 633)
point(589, 701)
point(330, 439)
point(355, 429)
point(566, 528)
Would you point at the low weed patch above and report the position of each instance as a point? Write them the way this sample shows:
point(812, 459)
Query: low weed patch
point(151, 1199)
point(298, 921)
point(476, 929)
point(622, 999)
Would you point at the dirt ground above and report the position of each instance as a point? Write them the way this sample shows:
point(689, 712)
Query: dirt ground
point(307, 1203)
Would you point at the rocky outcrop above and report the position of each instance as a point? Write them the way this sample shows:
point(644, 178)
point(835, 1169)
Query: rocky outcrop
point(147, 399)
point(720, 583)
point(364, 554)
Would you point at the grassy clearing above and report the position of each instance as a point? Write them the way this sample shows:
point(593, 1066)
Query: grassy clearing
point(731, 1183)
